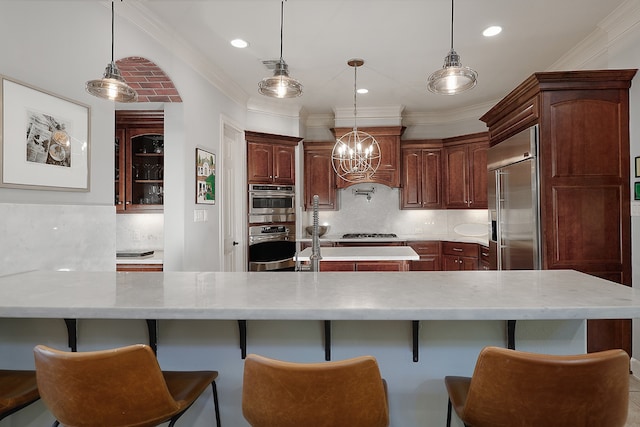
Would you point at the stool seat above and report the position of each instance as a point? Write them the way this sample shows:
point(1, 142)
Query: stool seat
point(18, 389)
point(122, 387)
point(514, 388)
point(346, 393)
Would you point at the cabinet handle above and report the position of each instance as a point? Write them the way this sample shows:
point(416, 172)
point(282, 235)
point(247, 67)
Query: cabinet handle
point(485, 253)
point(456, 249)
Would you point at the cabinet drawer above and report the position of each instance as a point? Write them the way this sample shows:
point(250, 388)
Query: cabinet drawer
point(484, 253)
point(425, 247)
point(460, 249)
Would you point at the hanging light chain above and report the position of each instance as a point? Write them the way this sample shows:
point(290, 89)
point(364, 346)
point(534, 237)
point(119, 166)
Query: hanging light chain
point(451, 24)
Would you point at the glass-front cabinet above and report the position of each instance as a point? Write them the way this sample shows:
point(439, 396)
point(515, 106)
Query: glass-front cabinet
point(139, 161)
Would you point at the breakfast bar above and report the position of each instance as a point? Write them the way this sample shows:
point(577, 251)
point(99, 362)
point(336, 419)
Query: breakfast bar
point(460, 312)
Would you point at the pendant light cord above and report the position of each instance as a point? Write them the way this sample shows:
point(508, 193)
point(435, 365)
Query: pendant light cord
point(112, 29)
point(451, 24)
point(355, 97)
point(281, 26)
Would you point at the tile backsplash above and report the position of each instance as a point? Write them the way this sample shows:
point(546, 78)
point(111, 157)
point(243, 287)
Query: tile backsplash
point(56, 237)
point(140, 232)
point(382, 214)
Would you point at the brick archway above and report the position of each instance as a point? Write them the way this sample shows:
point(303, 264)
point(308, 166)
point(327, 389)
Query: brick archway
point(148, 79)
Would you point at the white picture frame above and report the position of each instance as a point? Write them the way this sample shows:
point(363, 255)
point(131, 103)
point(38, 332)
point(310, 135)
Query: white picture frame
point(44, 139)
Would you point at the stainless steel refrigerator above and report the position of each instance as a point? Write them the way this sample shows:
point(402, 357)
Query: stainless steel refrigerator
point(514, 208)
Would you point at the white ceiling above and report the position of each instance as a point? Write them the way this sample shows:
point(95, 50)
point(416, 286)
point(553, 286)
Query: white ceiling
point(401, 41)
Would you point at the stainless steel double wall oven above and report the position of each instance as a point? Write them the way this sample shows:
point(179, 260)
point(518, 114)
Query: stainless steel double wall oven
point(272, 227)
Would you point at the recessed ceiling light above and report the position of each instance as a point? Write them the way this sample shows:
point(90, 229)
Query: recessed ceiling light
point(492, 31)
point(363, 90)
point(239, 43)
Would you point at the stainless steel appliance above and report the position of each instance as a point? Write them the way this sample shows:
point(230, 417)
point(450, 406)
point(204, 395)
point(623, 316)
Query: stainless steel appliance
point(514, 202)
point(270, 203)
point(272, 247)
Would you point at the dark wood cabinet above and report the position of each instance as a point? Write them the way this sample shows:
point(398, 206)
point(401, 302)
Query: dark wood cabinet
point(319, 176)
point(139, 161)
point(271, 158)
point(465, 171)
point(421, 175)
point(459, 256)
point(388, 138)
point(139, 267)
point(484, 257)
point(364, 265)
point(429, 252)
point(583, 120)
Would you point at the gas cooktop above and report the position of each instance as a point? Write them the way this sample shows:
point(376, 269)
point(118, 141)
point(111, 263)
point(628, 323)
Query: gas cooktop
point(367, 235)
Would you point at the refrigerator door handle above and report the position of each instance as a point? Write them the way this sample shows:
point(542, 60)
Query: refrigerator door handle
point(499, 205)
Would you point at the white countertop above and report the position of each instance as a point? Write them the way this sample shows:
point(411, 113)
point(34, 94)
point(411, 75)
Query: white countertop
point(445, 295)
point(363, 253)
point(156, 258)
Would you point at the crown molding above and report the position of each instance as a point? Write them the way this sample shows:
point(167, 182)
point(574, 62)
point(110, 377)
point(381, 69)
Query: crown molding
point(609, 31)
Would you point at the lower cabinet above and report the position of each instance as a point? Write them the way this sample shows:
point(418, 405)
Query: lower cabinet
point(429, 252)
point(364, 265)
point(459, 256)
point(139, 267)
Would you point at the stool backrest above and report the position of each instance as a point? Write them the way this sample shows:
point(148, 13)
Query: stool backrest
point(511, 388)
point(347, 393)
point(116, 387)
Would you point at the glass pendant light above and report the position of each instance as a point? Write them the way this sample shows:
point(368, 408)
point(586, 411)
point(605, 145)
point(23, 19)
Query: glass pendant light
point(452, 78)
point(112, 85)
point(280, 85)
point(356, 154)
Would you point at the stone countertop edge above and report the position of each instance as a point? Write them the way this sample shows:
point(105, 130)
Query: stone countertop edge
point(156, 258)
point(362, 253)
point(459, 295)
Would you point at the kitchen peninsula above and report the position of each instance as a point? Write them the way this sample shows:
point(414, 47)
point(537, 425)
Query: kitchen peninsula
point(460, 312)
point(364, 258)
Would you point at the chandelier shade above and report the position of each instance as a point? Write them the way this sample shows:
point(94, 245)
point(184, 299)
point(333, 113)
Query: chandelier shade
point(281, 85)
point(452, 78)
point(112, 85)
point(356, 155)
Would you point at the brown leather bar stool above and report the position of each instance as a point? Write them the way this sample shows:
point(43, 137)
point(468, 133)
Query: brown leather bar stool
point(514, 388)
point(346, 393)
point(18, 389)
point(116, 387)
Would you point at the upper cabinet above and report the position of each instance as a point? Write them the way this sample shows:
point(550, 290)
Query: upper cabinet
point(271, 158)
point(421, 175)
point(319, 176)
point(465, 171)
point(139, 161)
point(388, 138)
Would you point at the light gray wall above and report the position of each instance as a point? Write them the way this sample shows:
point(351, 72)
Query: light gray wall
point(61, 61)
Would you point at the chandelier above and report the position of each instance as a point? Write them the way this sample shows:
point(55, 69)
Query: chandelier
point(112, 85)
point(452, 78)
point(356, 154)
point(280, 85)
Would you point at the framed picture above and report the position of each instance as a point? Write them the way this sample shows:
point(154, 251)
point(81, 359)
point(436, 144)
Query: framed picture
point(44, 139)
point(636, 191)
point(638, 167)
point(205, 177)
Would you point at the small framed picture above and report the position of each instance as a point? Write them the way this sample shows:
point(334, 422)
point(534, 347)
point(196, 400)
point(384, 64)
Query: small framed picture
point(636, 191)
point(205, 177)
point(638, 167)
